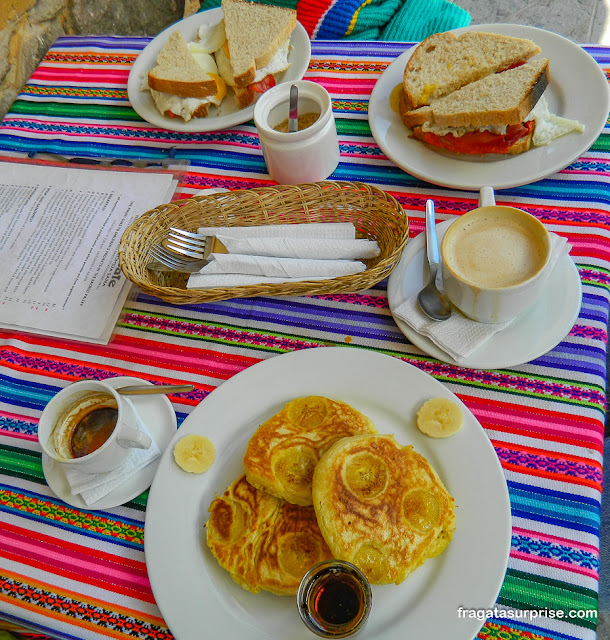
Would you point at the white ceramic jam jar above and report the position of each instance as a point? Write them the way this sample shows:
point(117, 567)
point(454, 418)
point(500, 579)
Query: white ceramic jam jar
point(307, 155)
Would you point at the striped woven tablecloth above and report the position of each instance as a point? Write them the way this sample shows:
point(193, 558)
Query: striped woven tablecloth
point(77, 574)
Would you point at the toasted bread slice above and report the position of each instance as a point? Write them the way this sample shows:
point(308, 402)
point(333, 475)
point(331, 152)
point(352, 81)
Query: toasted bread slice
point(254, 33)
point(445, 62)
point(244, 97)
point(498, 99)
point(178, 73)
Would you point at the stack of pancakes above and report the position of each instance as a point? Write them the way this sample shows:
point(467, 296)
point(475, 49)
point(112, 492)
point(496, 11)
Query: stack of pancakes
point(375, 504)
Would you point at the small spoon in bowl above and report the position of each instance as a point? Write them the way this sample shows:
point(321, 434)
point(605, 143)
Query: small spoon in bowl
point(431, 301)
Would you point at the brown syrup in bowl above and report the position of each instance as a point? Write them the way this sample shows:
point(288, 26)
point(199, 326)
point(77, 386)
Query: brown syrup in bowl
point(334, 599)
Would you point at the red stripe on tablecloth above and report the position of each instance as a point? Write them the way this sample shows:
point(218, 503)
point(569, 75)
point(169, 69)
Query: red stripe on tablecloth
point(82, 76)
point(542, 424)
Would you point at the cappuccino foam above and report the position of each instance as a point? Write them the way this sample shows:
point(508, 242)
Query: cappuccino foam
point(496, 248)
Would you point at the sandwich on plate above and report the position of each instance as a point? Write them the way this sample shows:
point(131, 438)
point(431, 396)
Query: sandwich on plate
point(479, 93)
point(183, 85)
point(256, 47)
point(244, 51)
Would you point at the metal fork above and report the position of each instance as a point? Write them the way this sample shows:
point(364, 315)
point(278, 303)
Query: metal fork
point(179, 243)
point(164, 260)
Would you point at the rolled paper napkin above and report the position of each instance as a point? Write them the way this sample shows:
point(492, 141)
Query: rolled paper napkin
point(344, 230)
point(316, 248)
point(460, 336)
point(216, 280)
point(280, 267)
point(94, 486)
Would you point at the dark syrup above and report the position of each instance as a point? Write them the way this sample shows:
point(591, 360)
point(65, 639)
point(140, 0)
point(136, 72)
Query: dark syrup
point(337, 601)
point(92, 431)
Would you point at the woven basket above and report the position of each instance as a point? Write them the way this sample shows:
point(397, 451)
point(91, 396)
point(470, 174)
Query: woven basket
point(375, 214)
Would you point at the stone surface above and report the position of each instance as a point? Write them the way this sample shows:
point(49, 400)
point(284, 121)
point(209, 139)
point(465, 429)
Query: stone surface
point(120, 17)
point(582, 21)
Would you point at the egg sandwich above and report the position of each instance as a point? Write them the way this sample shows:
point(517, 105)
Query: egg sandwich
point(183, 86)
point(256, 47)
point(478, 93)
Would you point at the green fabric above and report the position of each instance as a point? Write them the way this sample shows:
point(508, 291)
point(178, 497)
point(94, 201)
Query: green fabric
point(399, 20)
point(418, 19)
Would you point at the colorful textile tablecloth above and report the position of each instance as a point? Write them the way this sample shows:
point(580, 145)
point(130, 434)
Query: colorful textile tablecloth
point(77, 574)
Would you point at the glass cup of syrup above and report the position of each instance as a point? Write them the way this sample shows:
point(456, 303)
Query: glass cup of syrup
point(334, 599)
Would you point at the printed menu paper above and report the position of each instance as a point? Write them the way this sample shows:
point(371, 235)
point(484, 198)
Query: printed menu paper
point(60, 230)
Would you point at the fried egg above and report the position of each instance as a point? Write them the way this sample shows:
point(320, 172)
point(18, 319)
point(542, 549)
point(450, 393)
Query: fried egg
point(203, 58)
point(550, 126)
point(211, 37)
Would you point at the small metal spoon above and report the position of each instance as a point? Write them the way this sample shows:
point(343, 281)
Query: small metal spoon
point(293, 114)
point(431, 301)
point(145, 390)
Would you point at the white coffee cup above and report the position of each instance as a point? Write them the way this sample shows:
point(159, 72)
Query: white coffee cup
point(495, 261)
point(308, 155)
point(68, 407)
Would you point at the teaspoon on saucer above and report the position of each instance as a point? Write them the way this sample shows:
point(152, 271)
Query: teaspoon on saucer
point(431, 301)
point(150, 389)
point(145, 390)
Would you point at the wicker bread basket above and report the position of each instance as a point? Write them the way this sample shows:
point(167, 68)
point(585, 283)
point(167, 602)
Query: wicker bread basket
point(375, 214)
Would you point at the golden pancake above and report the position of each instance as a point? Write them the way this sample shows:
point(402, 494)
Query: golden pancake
point(262, 541)
point(381, 506)
point(283, 452)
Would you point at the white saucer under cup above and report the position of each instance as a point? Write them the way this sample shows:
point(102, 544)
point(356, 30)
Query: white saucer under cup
point(159, 416)
point(522, 340)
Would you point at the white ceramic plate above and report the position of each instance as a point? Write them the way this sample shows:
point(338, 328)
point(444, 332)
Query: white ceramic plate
point(158, 414)
point(578, 90)
point(523, 340)
point(228, 114)
point(195, 593)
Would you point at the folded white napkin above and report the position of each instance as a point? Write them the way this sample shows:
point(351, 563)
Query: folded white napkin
point(345, 230)
point(316, 248)
point(460, 336)
point(280, 267)
point(215, 280)
point(94, 486)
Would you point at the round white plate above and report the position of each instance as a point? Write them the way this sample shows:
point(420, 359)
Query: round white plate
point(529, 336)
point(578, 90)
point(192, 589)
point(158, 414)
point(228, 114)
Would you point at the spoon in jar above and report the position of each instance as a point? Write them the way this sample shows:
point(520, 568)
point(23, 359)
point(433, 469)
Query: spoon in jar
point(431, 301)
point(293, 114)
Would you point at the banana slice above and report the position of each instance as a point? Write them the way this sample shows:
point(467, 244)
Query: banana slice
point(194, 453)
point(439, 418)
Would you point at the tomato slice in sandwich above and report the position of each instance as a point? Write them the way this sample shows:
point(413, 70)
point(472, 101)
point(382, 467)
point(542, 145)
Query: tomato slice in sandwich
point(477, 142)
point(263, 85)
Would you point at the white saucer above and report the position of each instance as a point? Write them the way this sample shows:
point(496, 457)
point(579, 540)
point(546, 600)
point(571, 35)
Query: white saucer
point(158, 414)
point(532, 334)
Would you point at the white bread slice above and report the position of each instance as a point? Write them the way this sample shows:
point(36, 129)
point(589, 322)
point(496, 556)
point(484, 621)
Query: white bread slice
point(178, 73)
point(498, 99)
point(445, 62)
point(254, 33)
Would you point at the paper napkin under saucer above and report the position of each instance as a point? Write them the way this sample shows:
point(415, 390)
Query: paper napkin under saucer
point(460, 336)
point(94, 486)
